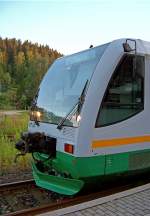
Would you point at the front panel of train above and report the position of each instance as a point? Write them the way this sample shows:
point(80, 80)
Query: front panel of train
point(55, 118)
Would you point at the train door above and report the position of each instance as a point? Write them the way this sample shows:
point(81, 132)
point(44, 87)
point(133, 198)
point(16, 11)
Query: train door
point(121, 113)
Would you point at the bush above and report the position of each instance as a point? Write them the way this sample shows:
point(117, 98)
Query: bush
point(10, 129)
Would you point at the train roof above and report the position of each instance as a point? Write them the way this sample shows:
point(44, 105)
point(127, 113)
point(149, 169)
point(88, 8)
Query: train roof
point(143, 47)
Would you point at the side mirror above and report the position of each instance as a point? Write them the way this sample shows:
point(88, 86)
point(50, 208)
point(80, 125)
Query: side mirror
point(127, 47)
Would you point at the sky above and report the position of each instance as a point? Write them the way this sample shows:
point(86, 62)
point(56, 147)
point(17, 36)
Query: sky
point(73, 25)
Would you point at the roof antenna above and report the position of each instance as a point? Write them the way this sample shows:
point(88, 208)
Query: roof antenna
point(91, 46)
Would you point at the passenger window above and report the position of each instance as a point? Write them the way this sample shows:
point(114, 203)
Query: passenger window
point(124, 96)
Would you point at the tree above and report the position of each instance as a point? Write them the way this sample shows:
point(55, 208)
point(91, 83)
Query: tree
point(22, 66)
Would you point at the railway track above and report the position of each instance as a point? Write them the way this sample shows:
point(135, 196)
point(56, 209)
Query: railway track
point(23, 195)
point(24, 198)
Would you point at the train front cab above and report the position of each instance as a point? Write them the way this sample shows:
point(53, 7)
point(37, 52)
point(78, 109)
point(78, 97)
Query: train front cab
point(113, 135)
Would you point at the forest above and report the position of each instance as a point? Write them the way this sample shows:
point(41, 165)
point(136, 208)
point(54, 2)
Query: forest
point(22, 66)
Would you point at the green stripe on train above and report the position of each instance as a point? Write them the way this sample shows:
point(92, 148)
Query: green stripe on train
point(84, 167)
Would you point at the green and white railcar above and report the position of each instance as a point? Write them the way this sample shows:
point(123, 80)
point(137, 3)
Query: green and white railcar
point(92, 107)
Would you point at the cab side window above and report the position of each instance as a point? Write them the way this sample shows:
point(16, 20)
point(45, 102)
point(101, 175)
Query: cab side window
point(124, 96)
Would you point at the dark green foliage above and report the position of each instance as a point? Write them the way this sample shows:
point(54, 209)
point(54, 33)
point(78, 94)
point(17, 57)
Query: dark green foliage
point(22, 66)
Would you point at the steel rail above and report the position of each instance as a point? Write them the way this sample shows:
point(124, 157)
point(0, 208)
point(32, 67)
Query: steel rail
point(65, 202)
point(12, 185)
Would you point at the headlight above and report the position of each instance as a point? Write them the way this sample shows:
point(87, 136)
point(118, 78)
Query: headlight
point(78, 118)
point(35, 115)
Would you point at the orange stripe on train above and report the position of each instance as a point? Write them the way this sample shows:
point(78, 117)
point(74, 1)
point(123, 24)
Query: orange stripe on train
point(120, 141)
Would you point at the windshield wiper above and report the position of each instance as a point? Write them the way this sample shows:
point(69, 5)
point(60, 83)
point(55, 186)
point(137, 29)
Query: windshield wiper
point(78, 105)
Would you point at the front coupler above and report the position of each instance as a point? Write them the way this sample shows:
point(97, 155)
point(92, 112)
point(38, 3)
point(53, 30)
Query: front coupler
point(36, 142)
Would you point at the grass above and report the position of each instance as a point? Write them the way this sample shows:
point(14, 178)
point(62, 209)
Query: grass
point(10, 128)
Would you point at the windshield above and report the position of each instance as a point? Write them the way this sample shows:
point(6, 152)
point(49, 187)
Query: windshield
point(64, 83)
